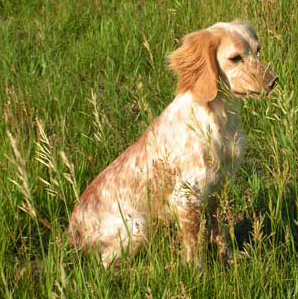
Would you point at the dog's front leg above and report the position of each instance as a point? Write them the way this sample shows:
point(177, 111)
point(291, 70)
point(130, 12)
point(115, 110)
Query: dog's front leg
point(193, 231)
point(192, 223)
point(219, 235)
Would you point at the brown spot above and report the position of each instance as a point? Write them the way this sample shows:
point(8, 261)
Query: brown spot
point(163, 179)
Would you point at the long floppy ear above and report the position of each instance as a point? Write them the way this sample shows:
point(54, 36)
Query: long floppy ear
point(195, 64)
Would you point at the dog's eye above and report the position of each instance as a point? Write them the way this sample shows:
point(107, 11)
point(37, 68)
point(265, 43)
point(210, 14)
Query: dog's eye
point(236, 58)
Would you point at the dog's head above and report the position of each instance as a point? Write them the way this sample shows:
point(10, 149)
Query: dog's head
point(226, 50)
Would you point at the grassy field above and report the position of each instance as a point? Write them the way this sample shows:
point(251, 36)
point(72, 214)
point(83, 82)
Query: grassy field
point(79, 81)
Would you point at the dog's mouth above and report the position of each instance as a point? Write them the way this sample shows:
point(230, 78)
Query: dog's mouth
point(248, 93)
point(252, 93)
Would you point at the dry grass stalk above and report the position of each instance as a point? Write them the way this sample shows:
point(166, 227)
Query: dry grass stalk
point(45, 156)
point(70, 177)
point(26, 206)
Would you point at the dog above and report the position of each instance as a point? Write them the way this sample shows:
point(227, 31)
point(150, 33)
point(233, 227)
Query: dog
point(184, 156)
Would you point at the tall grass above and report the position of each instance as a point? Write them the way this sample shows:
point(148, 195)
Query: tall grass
point(79, 81)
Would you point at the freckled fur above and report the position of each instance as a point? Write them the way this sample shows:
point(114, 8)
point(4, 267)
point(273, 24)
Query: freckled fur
point(183, 156)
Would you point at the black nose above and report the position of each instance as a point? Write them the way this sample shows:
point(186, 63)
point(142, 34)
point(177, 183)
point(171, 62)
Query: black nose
point(273, 83)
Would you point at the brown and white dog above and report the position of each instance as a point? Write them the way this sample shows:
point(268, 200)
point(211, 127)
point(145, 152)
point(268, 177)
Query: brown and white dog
point(182, 158)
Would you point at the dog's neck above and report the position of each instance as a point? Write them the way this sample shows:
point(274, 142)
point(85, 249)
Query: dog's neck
point(215, 125)
point(220, 111)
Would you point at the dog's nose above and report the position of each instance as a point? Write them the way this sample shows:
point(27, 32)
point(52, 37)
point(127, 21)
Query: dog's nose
point(273, 83)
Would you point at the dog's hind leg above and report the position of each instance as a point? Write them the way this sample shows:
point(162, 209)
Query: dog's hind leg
point(123, 232)
point(112, 229)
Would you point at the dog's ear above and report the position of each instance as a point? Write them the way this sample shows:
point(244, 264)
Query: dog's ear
point(195, 64)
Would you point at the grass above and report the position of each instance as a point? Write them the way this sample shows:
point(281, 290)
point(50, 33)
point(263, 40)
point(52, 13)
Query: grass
point(79, 81)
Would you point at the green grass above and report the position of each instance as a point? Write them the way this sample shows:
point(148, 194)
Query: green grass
point(79, 81)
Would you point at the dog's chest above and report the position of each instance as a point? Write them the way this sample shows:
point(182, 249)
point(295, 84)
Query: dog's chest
point(212, 147)
point(226, 147)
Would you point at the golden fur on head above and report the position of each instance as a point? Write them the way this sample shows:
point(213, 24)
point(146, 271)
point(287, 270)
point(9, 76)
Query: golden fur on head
point(195, 64)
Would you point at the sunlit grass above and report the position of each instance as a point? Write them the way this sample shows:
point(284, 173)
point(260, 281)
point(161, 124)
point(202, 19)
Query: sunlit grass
point(80, 81)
